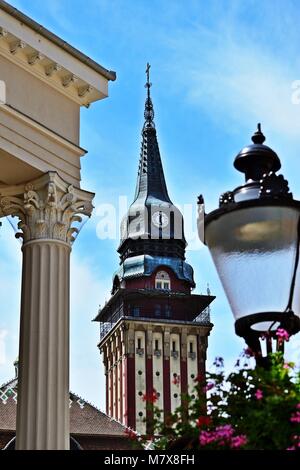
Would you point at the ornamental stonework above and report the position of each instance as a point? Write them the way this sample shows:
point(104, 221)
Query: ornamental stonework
point(47, 208)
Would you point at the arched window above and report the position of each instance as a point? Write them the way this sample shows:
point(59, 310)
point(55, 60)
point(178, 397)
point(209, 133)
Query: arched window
point(162, 280)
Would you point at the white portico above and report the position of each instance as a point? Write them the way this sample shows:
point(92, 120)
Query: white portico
point(43, 83)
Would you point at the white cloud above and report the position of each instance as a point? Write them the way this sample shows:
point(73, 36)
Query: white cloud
point(235, 79)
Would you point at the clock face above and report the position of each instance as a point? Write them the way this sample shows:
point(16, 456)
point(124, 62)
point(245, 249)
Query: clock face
point(160, 219)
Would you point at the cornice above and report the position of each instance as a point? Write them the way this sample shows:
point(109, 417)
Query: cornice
point(57, 75)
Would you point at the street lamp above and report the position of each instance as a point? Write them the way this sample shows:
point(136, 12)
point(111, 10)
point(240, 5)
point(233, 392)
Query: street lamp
point(253, 239)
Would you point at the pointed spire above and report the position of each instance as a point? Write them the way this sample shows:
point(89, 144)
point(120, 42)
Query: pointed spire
point(149, 111)
point(151, 180)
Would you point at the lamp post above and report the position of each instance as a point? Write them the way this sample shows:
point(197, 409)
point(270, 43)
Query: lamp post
point(253, 238)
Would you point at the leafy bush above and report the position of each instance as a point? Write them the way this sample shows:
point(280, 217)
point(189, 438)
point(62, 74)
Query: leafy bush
point(251, 408)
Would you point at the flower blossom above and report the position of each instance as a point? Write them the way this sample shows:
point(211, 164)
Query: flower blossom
point(203, 421)
point(296, 443)
point(282, 335)
point(295, 418)
point(150, 397)
point(222, 436)
point(259, 394)
point(238, 441)
point(208, 387)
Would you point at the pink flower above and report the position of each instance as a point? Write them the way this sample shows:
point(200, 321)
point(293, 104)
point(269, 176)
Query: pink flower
point(225, 431)
point(208, 387)
point(206, 437)
point(282, 334)
point(296, 443)
point(286, 365)
point(222, 436)
point(259, 394)
point(295, 418)
point(238, 441)
point(298, 406)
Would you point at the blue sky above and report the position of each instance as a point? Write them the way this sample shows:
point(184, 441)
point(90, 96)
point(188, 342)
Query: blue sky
point(218, 68)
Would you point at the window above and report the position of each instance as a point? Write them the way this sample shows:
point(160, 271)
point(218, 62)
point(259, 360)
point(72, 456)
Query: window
point(156, 344)
point(173, 345)
point(139, 345)
point(191, 347)
point(136, 311)
point(157, 311)
point(162, 280)
point(168, 311)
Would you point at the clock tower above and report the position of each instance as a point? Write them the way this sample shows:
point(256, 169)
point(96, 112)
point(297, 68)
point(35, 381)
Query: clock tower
point(153, 330)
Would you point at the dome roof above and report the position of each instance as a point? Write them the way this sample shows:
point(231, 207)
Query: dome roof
point(256, 159)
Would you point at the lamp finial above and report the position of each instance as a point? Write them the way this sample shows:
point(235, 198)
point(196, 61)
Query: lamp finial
point(258, 137)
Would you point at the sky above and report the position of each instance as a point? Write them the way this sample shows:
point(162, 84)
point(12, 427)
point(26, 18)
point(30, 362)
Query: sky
point(217, 69)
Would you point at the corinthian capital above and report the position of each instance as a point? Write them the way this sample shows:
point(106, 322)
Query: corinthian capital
point(47, 207)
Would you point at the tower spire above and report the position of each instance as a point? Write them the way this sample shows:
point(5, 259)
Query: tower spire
point(151, 181)
point(152, 215)
point(149, 111)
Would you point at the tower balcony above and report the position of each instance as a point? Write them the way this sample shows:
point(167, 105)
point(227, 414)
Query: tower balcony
point(155, 305)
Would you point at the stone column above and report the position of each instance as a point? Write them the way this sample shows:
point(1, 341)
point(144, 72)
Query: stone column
point(46, 207)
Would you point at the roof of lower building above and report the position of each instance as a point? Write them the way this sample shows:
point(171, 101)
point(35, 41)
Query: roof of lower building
point(85, 418)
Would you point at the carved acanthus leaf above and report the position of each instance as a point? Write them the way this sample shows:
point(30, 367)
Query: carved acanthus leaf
point(47, 211)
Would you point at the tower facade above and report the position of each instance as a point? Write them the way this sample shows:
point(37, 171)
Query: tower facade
point(153, 330)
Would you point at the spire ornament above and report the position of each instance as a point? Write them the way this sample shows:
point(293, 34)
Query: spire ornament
point(149, 111)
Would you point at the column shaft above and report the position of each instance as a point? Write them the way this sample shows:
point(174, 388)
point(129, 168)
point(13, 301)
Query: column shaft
point(43, 389)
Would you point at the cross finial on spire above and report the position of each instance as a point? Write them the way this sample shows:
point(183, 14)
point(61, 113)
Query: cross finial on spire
point(148, 84)
point(149, 112)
